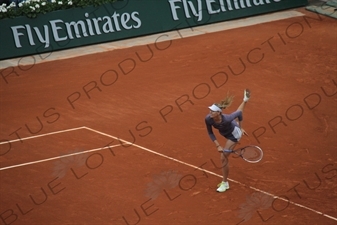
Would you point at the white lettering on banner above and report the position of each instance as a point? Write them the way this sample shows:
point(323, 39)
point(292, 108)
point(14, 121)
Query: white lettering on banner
point(96, 20)
point(115, 17)
point(30, 36)
point(213, 6)
point(75, 26)
point(209, 7)
point(44, 40)
point(187, 5)
point(135, 18)
point(107, 27)
point(91, 32)
point(196, 13)
point(174, 8)
point(54, 28)
point(125, 17)
point(259, 2)
point(17, 35)
point(62, 31)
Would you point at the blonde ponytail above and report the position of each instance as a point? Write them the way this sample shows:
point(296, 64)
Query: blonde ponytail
point(226, 102)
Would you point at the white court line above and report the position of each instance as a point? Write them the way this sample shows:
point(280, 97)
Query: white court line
point(41, 135)
point(58, 157)
point(210, 172)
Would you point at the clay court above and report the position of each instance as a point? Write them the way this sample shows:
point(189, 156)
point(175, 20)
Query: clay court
point(119, 137)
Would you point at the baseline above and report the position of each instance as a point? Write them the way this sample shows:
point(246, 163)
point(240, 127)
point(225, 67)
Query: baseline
point(41, 135)
point(57, 157)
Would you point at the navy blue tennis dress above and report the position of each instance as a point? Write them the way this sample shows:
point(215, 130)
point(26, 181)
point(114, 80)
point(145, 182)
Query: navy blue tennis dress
point(228, 127)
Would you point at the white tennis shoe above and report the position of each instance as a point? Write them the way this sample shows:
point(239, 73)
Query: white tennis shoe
point(223, 186)
point(246, 95)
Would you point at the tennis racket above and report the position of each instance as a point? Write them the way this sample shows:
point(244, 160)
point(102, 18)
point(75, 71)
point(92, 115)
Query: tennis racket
point(250, 153)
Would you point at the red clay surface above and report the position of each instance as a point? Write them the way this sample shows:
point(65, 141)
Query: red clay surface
point(290, 67)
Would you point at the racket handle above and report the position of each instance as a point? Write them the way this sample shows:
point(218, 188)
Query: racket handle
point(227, 151)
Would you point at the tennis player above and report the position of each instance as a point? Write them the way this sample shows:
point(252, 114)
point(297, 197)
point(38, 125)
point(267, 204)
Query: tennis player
point(230, 127)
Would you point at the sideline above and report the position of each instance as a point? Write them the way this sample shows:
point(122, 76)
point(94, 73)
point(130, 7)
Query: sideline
point(138, 41)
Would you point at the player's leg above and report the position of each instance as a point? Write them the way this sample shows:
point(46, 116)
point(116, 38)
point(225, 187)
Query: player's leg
point(223, 186)
point(246, 96)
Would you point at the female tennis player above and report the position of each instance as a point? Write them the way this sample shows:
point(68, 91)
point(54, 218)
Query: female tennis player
point(230, 127)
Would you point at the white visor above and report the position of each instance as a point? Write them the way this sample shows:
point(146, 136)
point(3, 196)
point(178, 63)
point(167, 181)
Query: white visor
point(215, 108)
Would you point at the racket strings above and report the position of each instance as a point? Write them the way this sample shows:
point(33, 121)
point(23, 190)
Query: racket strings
point(251, 154)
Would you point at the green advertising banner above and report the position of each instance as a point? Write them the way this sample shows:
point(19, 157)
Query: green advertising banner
point(120, 20)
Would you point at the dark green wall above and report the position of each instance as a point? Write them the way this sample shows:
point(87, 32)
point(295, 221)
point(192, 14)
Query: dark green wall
point(141, 17)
